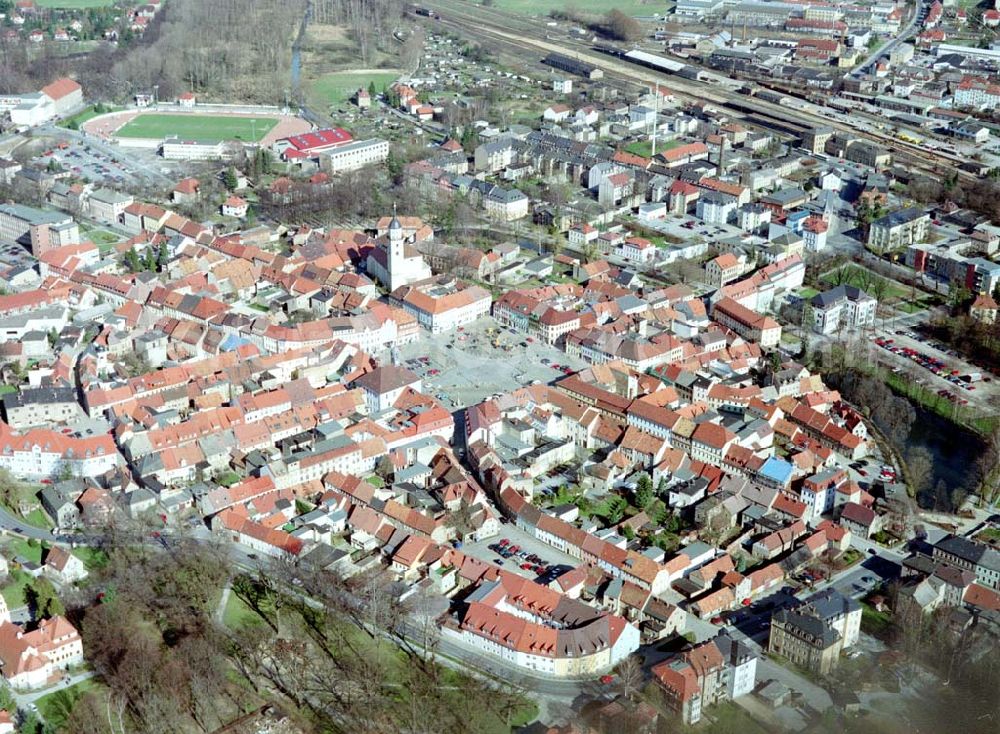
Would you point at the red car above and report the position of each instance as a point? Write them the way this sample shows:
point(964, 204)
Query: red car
point(607, 679)
point(525, 566)
point(717, 620)
point(504, 542)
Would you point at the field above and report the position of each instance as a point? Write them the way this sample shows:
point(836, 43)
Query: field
point(645, 147)
point(73, 4)
point(74, 122)
point(197, 127)
point(589, 7)
point(858, 278)
point(339, 86)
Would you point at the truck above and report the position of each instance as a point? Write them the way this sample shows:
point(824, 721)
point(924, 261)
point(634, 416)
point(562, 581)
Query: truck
point(972, 377)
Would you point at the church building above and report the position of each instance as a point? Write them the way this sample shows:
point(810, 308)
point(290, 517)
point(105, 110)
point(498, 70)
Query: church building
point(395, 262)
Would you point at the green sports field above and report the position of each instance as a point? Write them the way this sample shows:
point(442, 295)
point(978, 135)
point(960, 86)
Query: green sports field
point(197, 127)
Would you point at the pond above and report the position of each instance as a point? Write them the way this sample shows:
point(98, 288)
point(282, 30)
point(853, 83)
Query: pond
point(954, 451)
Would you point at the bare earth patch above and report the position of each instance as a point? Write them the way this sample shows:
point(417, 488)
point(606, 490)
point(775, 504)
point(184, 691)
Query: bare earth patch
point(286, 127)
point(325, 33)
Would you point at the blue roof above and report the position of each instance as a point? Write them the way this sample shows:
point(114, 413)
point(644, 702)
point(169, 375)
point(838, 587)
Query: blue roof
point(777, 470)
point(233, 342)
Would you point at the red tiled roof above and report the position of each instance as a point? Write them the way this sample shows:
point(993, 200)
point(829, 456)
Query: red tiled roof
point(60, 88)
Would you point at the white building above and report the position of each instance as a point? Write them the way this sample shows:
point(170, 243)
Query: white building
point(442, 304)
point(383, 386)
point(838, 611)
point(31, 659)
point(107, 206)
point(715, 209)
point(235, 206)
point(513, 627)
point(754, 217)
point(814, 234)
point(843, 307)
point(395, 263)
point(177, 149)
point(58, 98)
point(44, 454)
point(638, 249)
point(505, 205)
point(353, 156)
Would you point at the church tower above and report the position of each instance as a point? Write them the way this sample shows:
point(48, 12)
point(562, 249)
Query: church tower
point(396, 255)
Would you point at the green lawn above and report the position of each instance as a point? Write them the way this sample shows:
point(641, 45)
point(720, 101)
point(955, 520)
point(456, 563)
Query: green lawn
point(645, 147)
point(197, 127)
point(38, 518)
point(807, 292)
point(79, 118)
point(21, 547)
point(339, 86)
point(729, 718)
point(73, 4)
point(102, 237)
point(55, 707)
point(854, 277)
point(6, 389)
point(874, 622)
point(228, 478)
point(92, 558)
point(237, 613)
point(13, 593)
point(593, 7)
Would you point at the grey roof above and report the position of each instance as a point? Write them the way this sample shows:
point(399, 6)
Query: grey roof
point(835, 295)
point(110, 196)
point(830, 604)
point(386, 379)
point(807, 626)
point(903, 216)
point(975, 553)
point(32, 215)
point(40, 395)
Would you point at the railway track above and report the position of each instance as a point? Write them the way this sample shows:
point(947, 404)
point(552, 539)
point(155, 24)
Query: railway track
point(517, 35)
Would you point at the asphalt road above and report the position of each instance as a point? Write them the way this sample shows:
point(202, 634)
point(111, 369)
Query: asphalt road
point(885, 50)
point(17, 526)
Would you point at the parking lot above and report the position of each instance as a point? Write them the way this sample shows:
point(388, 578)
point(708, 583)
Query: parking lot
point(87, 163)
point(555, 561)
point(101, 162)
point(16, 256)
point(466, 367)
point(955, 380)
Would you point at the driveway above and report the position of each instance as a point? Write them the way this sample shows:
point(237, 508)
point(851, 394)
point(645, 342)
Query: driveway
point(26, 701)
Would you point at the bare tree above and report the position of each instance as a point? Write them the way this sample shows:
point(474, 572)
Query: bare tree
point(621, 26)
point(630, 676)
